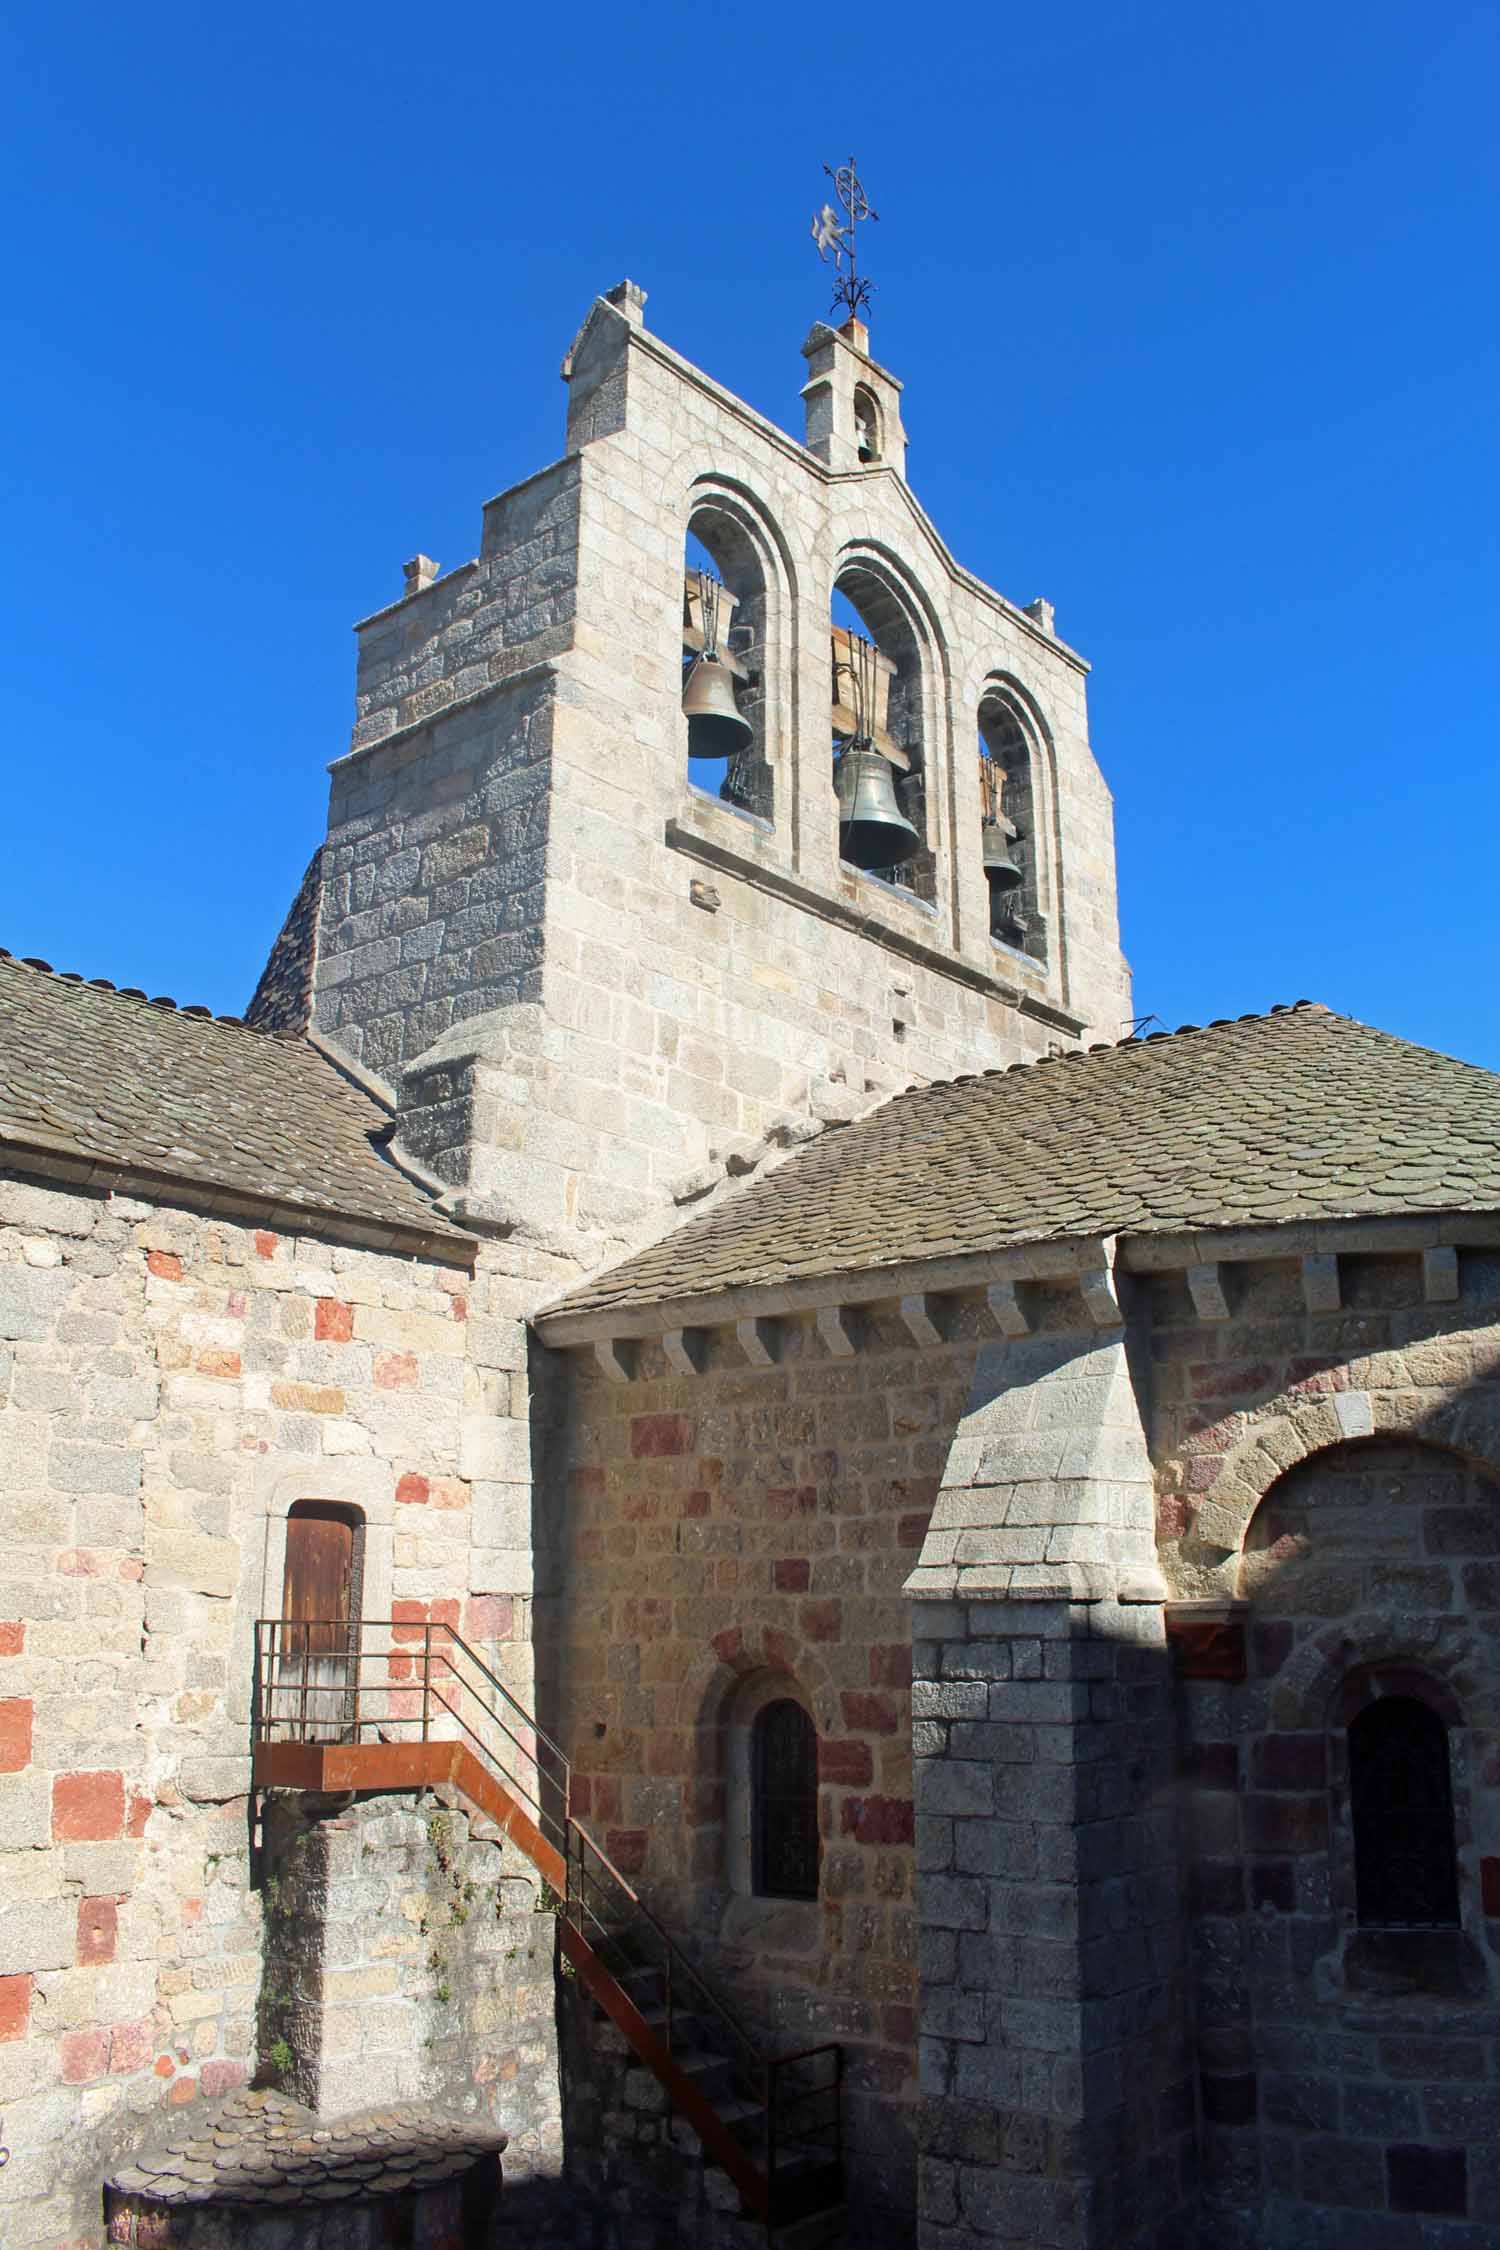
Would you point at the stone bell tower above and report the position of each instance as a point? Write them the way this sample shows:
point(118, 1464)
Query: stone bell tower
point(599, 985)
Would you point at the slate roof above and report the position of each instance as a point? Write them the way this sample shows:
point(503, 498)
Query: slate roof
point(1295, 1115)
point(108, 1078)
point(262, 2148)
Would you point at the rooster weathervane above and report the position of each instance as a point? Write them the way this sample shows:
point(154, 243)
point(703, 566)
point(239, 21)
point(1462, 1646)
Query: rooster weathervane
point(830, 232)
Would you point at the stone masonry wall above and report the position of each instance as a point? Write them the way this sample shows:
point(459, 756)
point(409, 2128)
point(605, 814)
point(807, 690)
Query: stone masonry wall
point(736, 1527)
point(432, 886)
point(407, 1960)
point(1330, 1473)
point(169, 1385)
point(1056, 2072)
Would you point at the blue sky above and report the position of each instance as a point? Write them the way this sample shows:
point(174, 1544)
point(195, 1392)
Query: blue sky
point(1196, 311)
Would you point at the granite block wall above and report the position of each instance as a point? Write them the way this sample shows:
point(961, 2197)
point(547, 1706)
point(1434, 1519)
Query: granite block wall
point(408, 1958)
point(1058, 2100)
point(169, 1385)
point(726, 1530)
point(1329, 1470)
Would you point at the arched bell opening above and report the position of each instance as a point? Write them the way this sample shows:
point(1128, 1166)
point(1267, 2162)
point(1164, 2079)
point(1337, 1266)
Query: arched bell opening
point(879, 770)
point(723, 662)
point(1009, 845)
point(867, 426)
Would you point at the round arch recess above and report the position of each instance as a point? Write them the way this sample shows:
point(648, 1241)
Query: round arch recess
point(1211, 1550)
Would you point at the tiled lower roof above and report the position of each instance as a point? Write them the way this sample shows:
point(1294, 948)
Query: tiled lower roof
point(1295, 1115)
point(261, 2148)
point(118, 1083)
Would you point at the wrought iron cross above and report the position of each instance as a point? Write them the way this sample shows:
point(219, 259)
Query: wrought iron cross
point(830, 232)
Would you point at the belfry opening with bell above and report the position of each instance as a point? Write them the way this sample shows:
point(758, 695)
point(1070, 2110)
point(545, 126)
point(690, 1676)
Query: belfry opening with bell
point(874, 833)
point(724, 752)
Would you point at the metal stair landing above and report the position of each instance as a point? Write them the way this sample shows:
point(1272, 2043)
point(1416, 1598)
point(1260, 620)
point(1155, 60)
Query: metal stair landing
point(412, 1706)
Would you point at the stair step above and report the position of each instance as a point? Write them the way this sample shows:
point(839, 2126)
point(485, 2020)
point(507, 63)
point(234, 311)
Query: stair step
point(687, 2029)
point(706, 2067)
point(736, 2111)
point(819, 2231)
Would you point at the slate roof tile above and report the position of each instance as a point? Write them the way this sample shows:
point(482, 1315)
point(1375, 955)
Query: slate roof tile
point(114, 1079)
point(261, 2147)
point(1297, 1115)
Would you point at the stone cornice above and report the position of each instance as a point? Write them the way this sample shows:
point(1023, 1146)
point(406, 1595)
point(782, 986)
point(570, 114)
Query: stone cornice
point(1045, 1261)
point(910, 947)
point(1087, 1260)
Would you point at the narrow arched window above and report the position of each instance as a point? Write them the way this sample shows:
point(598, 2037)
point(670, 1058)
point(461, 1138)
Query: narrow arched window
point(784, 1801)
point(1401, 1796)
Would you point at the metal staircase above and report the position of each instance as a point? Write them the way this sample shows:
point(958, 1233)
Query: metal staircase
point(412, 1706)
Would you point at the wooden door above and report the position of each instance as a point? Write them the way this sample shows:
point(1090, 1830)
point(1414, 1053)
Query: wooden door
point(317, 1620)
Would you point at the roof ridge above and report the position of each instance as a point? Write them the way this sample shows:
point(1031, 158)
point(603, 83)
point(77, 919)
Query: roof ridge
point(133, 992)
point(1137, 1039)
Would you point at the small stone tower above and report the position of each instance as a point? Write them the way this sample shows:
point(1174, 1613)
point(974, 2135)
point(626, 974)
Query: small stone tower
point(597, 977)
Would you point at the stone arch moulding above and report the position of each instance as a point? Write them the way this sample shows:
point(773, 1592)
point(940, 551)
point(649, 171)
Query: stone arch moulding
point(726, 1685)
point(874, 560)
point(744, 521)
point(710, 1687)
point(1002, 690)
point(1466, 1425)
point(1355, 1661)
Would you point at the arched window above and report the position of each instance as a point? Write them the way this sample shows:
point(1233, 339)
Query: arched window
point(723, 662)
point(784, 1801)
point(1401, 1797)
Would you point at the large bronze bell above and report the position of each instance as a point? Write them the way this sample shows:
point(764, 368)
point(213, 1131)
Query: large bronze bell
point(716, 728)
point(873, 830)
point(1000, 869)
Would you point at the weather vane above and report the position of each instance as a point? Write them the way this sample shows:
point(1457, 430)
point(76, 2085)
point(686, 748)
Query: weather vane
point(829, 232)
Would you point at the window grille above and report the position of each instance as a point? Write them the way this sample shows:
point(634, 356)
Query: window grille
point(1401, 1793)
point(784, 1801)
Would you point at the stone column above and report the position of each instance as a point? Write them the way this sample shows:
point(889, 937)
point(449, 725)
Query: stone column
point(1057, 2096)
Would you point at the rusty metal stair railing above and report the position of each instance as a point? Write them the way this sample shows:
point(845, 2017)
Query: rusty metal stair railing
point(410, 1704)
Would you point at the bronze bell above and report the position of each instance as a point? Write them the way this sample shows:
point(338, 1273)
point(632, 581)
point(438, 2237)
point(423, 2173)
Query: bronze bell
point(873, 830)
point(716, 728)
point(1000, 869)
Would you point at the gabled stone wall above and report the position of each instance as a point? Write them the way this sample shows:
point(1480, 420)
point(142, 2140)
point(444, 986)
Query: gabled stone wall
point(593, 986)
